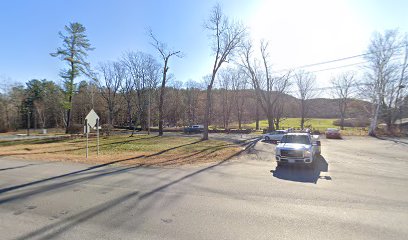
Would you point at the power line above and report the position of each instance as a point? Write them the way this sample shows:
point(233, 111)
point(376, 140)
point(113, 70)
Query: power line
point(338, 60)
point(348, 65)
point(331, 61)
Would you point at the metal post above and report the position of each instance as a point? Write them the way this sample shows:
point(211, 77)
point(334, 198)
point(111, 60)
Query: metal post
point(97, 136)
point(86, 129)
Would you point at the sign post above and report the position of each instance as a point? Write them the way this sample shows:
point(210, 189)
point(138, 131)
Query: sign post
point(87, 136)
point(91, 121)
point(97, 136)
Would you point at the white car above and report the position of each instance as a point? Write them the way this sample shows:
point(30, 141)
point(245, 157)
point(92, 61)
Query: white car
point(274, 135)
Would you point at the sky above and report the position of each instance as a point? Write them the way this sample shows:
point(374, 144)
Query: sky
point(299, 32)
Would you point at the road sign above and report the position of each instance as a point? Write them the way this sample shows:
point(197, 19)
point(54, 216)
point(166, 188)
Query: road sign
point(91, 121)
point(92, 118)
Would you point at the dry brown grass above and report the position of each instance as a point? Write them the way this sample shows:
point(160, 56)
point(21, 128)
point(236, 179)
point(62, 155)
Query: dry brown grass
point(142, 149)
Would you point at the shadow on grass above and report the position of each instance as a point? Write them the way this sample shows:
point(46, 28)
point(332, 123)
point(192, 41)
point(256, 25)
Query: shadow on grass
point(173, 148)
point(6, 143)
point(56, 229)
point(78, 148)
point(304, 174)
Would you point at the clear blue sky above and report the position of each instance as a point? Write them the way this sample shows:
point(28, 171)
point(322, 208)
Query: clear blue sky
point(301, 32)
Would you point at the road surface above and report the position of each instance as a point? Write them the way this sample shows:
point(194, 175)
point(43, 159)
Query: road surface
point(358, 191)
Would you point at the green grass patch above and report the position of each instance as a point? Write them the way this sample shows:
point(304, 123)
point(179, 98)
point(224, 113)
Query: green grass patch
point(320, 124)
point(315, 123)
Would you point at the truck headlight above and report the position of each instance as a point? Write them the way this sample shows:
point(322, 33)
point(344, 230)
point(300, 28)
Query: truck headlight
point(307, 153)
point(277, 151)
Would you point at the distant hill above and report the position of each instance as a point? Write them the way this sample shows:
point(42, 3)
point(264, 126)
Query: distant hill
point(327, 108)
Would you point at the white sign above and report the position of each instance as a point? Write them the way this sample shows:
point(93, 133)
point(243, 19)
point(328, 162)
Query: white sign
point(92, 118)
point(91, 121)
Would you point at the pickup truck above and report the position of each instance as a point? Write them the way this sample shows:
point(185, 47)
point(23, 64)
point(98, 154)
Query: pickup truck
point(298, 148)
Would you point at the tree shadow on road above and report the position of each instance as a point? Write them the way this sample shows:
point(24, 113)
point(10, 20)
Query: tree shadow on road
point(16, 167)
point(54, 230)
point(304, 174)
point(92, 172)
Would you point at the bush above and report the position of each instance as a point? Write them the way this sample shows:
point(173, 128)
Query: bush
point(106, 129)
point(75, 128)
point(353, 122)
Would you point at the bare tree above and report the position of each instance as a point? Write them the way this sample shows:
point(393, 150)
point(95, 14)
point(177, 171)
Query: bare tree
point(305, 83)
point(143, 70)
point(127, 90)
point(239, 84)
point(191, 100)
point(268, 88)
point(165, 54)
point(343, 87)
point(113, 73)
point(226, 38)
point(386, 76)
point(226, 81)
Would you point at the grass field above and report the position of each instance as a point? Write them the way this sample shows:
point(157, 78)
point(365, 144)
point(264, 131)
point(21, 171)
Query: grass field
point(320, 124)
point(142, 149)
point(316, 123)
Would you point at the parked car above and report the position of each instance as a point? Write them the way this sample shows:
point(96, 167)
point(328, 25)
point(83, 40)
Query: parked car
point(298, 148)
point(274, 135)
point(194, 129)
point(333, 133)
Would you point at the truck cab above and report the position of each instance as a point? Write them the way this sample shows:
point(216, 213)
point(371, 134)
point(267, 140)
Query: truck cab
point(298, 148)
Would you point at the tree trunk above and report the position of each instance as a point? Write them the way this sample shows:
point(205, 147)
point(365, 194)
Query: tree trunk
point(342, 121)
point(7, 117)
point(129, 113)
point(239, 119)
point(271, 126)
point(257, 117)
point(302, 119)
point(68, 118)
point(207, 113)
point(277, 123)
point(161, 100)
point(374, 120)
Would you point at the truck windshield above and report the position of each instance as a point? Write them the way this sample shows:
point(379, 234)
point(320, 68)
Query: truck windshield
point(302, 139)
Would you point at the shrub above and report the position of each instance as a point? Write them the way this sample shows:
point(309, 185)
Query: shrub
point(353, 122)
point(106, 129)
point(75, 128)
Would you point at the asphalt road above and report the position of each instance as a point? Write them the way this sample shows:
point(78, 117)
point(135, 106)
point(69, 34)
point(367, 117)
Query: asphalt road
point(358, 191)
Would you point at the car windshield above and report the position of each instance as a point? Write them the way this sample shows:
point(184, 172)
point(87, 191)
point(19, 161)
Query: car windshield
point(303, 139)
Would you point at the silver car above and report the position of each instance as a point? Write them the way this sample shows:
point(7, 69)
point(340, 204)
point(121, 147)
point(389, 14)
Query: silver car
point(274, 135)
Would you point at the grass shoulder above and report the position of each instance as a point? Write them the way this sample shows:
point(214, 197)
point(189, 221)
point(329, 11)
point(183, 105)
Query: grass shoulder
point(149, 150)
